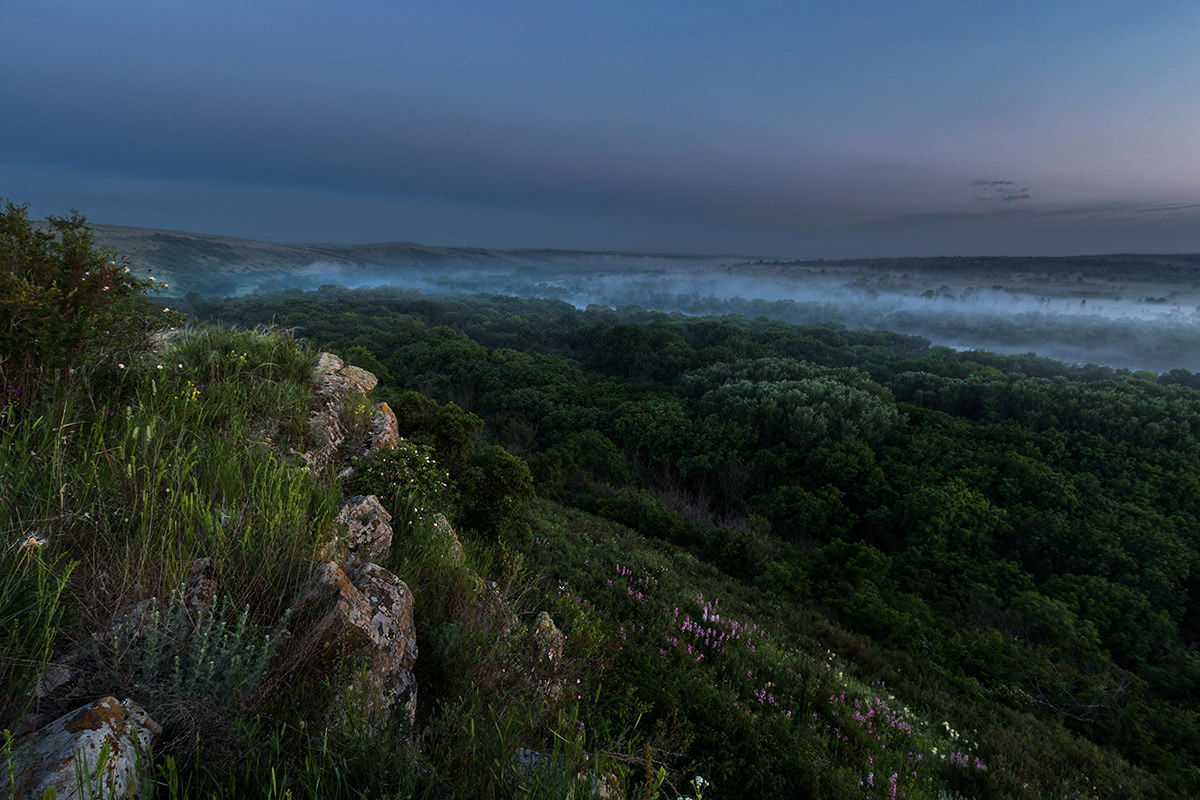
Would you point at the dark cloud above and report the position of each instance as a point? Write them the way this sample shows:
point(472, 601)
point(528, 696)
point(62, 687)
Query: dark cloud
point(996, 191)
point(1167, 209)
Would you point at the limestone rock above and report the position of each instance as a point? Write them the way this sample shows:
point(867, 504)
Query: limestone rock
point(330, 424)
point(51, 757)
point(368, 528)
point(385, 430)
point(355, 379)
point(369, 613)
point(327, 364)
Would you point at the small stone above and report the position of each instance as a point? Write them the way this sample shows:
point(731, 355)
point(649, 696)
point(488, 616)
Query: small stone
point(200, 591)
point(444, 531)
point(549, 638)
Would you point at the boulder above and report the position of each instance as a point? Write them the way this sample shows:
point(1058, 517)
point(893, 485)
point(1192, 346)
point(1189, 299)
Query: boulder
point(60, 754)
point(365, 611)
point(368, 528)
point(328, 427)
point(354, 379)
point(327, 365)
point(331, 424)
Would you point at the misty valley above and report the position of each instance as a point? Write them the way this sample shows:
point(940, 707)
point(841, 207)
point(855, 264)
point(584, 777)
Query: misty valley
point(1132, 311)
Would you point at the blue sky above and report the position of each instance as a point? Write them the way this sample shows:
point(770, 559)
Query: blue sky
point(763, 128)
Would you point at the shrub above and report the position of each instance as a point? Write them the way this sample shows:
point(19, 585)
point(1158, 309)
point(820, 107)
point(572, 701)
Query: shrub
point(403, 477)
point(63, 300)
point(496, 490)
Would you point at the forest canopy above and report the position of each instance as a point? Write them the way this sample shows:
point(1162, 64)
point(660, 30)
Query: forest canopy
point(1026, 529)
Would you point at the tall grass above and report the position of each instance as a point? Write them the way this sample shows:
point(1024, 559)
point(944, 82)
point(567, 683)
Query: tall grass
point(117, 479)
point(127, 474)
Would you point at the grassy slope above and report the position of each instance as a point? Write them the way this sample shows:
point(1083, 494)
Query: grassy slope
point(797, 705)
point(115, 483)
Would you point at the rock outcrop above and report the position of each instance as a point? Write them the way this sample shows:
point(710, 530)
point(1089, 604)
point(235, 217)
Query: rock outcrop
point(385, 429)
point(103, 743)
point(367, 526)
point(333, 378)
point(330, 429)
point(366, 612)
point(330, 425)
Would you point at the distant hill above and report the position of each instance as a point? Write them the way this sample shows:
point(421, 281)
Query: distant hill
point(223, 265)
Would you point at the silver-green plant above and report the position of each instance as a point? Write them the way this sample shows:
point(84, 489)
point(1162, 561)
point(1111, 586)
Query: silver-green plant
point(215, 652)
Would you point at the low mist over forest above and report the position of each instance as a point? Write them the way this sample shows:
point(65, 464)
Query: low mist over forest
point(1134, 311)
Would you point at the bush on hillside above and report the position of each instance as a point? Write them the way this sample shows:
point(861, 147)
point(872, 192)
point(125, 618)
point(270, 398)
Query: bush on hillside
point(64, 301)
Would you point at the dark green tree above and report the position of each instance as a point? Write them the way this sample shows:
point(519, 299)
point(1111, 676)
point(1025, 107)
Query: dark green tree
point(64, 302)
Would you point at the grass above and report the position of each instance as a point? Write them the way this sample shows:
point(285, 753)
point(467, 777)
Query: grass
point(116, 481)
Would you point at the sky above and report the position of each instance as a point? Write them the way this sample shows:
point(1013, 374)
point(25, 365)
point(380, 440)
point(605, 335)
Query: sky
point(795, 129)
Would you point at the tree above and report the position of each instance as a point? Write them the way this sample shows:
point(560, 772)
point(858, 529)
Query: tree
point(496, 490)
point(64, 302)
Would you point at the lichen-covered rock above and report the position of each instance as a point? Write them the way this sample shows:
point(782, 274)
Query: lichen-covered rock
point(333, 378)
point(59, 754)
point(368, 527)
point(327, 364)
point(547, 637)
point(329, 429)
point(355, 379)
point(331, 424)
point(543, 646)
point(368, 612)
point(385, 430)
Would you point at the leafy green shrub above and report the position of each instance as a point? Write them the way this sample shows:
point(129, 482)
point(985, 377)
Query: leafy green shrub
point(406, 478)
point(450, 431)
point(495, 493)
point(63, 301)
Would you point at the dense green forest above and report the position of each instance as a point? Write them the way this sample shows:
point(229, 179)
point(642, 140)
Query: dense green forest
point(861, 558)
